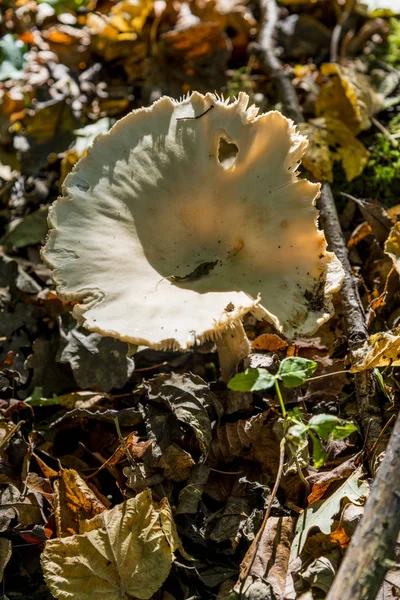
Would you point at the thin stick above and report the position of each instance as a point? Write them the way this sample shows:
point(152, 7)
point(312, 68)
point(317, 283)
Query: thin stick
point(254, 548)
point(385, 132)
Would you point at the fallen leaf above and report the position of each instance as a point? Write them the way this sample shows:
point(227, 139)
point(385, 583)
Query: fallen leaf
point(392, 246)
point(375, 215)
point(269, 342)
point(321, 481)
point(189, 497)
point(321, 514)
point(5, 555)
point(271, 560)
point(347, 95)
point(74, 501)
point(189, 398)
point(381, 350)
point(123, 552)
point(332, 141)
point(176, 463)
point(96, 361)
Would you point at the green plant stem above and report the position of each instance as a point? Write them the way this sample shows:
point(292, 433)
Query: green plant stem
point(301, 474)
point(281, 402)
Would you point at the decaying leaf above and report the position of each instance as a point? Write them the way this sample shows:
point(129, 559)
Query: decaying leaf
point(321, 514)
point(347, 95)
point(176, 463)
point(122, 553)
point(5, 555)
point(271, 561)
point(331, 141)
point(269, 342)
point(189, 398)
point(381, 350)
point(74, 501)
point(392, 246)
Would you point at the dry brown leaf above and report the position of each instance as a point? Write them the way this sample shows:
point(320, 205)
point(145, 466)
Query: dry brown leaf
point(392, 246)
point(271, 561)
point(269, 342)
point(73, 502)
point(381, 350)
point(5, 555)
point(126, 551)
point(332, 141)
point(321, 481)
point(252, 437)
point(364, 229)
point(348, 96)
point(176, 462)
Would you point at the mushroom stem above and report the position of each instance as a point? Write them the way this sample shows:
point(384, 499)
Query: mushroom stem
point(232, 347)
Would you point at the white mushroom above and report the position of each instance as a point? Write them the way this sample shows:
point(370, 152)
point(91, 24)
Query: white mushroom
point(186, 216)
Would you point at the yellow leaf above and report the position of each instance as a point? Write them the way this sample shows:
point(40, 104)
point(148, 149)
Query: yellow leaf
point(332, 141)
point(381, 350)
point(347, 95)
point(392, 246)
point(123, 552)
point(74, 501)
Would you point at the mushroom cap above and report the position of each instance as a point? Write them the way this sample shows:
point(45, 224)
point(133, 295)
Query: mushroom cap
point(165, 237)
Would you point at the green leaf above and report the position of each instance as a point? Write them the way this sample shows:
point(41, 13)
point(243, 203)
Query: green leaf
point(344, 430)
point(319, 454)
point(294, 371)
point(252, 380)
point(323, 424)
point(297, 434)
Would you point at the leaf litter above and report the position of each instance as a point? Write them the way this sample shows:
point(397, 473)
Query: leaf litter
point(167, 502)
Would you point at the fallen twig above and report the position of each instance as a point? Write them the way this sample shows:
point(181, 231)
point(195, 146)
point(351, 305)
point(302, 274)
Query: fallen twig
point(372, 547)
point(252, 552)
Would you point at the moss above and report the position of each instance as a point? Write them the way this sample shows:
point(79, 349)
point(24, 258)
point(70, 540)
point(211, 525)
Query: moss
point(392, 50)
point(381, 177)
point(240, 80)
point(389, 50)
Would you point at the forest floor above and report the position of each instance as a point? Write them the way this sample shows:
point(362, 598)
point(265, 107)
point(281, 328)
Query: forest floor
point(174, 470)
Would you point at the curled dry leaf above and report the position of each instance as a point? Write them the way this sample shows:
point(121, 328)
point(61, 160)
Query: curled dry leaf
point(347, 95)
point(381, 350)
point(137, 193)
point(74, 501)
point(332, 141)
point(124, 552)
point(392, 246)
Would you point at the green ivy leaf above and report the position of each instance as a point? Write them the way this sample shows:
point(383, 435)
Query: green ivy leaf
point(252, 380)
point(324, 425)
point(294, 371)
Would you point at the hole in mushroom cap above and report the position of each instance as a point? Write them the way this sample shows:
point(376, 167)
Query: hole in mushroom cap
point(227, 153)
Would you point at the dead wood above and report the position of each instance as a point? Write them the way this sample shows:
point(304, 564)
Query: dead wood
point(372, 547)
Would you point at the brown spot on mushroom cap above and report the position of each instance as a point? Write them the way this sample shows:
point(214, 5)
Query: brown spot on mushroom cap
point(166, 240)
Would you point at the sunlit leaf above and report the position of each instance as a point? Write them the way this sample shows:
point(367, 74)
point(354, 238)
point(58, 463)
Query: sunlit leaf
point(332, 141)
point(126, 551)
point(252, 380)
point(295, 370)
